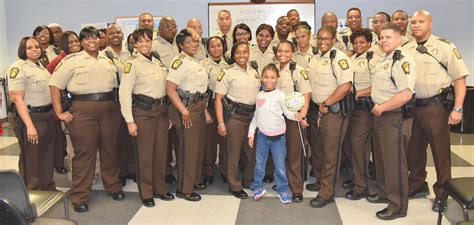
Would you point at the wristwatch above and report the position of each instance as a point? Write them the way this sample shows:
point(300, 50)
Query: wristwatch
point(324, 104)
point(458, 109)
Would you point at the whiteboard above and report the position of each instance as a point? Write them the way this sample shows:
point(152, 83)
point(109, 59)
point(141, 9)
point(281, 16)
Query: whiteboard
point(255, 14)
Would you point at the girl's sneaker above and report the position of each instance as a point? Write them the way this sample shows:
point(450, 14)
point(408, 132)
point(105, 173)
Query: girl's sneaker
point(259, 193)
point(284, 197)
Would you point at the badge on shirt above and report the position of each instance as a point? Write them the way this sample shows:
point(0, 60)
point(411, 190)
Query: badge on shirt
point(406, 67)
point(220, 75)
point(13, 72)
point(325, 62)
point(127, 68)
point(176, 64)
point(385, 67)
point(57, 66)
point(456, 52)
point(304, 74)
point(343, 64)
point(361, 63)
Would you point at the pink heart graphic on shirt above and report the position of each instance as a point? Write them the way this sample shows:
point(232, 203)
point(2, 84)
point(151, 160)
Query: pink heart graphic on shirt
point(260, 102)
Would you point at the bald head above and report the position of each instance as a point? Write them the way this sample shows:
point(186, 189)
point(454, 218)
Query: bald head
point(145, 20)
point(195, 24)
point(329, 19)
point(421, 25)
point(167, 28)
point(114, 35)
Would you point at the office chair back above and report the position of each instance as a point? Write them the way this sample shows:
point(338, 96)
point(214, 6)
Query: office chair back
point(13, 189)
point(10, 215)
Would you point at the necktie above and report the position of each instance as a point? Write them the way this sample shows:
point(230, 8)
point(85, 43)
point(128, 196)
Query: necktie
point(224, 42)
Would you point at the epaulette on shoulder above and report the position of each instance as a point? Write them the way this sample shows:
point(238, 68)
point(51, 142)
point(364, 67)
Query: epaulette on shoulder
point(18, 63)
point(181, 56)
point(132, 57)
point(71, 56)
point(444, 40)
point(411, 40)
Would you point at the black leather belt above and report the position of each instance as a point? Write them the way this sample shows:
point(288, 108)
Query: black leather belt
point(94, 97)
point(46, 108)
point(198, 96)
point(437, 99)
point(362, 104)
point(149, 100)
point(241, 107)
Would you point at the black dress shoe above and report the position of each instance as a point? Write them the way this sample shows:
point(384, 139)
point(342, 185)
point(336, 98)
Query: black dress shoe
point(118, 196)
point(375, 198)
point(297, 198)
point(353, 195)
point(224, 178)
point(274, 187)
point(246, 187)
point(420, 193)
point(348, 184)
point(123, 179)
point(61, 170)
point(208, 180)
point(193, 197)
point(313, 187)
point(132, 176)
point(200, 186)
point(170, 179)
point(240, 194)
point(320, 202)
point(268, 179)
point(149, 202)
point(166, 197)
point(436, 205)
point(80, 207)
point(386, 214)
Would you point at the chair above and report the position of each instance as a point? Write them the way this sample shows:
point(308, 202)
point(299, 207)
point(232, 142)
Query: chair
point(462, 191)
point(11, 215)
point(13, 189)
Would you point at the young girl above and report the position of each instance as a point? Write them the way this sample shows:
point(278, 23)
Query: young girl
point(269, 120)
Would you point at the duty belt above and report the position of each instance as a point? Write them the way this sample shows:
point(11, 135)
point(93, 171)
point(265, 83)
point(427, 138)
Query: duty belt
point(363, 104)
point(94, 97)
point(46, 108)
point(437, 99)
point(149, 100)
point(198, 96)
point(241, 107)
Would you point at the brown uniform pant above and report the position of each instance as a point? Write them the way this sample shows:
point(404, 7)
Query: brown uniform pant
point(360, 130)
point(60, 144)
point(294, 157)
point(94, 127)
point(210, 153)
point(391, 135)
point(126, 154)
point(237, 130)
point(187, 153)
point(36, 160)
point(173, 144)
point(332, 129)
point(430, 126)
point(151, 140)
point(315, 142)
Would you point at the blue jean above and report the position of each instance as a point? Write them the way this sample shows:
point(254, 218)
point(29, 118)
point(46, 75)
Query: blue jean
point(264, 145)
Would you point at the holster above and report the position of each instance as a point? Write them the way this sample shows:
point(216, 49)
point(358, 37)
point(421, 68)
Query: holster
point(184, 97)
point(147, 102)
point(313, 111)
point(229, 108)
point(115, 94)
point(66, 100)
point(448, 98)
point(364, 104)
point(409, 108)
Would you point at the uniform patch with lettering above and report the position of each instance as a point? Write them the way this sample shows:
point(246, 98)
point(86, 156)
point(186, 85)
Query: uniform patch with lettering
point(127, 68)
point(220, 75)
point(456, 52)
point(14, 72)
point(176, 64)
point(304, 74)
point(406, 67)
point(57, 66)
point(343, 64)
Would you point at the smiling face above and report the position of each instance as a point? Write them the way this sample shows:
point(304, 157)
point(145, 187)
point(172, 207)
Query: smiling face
point(43, 37)
point(241, 55)
point(269, 79)
point(215, 48)
point(114, 35)
point(294, 17)
point(74, 44)
point(283, 26)
point(379, 21)
point(389, 40)
point(167, 29)
point(360, 45)
point(354, 20)
point(329, 20)
point(146, 21)
point(264, 38)
point(143, 45)
point(284, 53)
point(190, 45)
point(33, 50)
point(325, 41)
point(401, 19)
point(91, 44)
point(302, 38)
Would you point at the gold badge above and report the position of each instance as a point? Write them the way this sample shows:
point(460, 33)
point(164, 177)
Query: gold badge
point(325, 62)
point(406, 67)
point(304, 74)
point(343, 64)
point(456, 52)
point(361, 63)
point(176, 64)
point(435, 51)
point(385, 67)
point(341, 47)
point(127, 68)
point(57, 66)
point(220, 75)
point(13, 72)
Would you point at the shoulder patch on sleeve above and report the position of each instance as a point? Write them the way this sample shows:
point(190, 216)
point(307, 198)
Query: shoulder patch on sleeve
point(343, 64)
point(57, 66)
point(304, 74)
point(14, 72)
point(176, 64)
point(406, 67)
point(220, 75)
point(127, 68)
point(456, 52)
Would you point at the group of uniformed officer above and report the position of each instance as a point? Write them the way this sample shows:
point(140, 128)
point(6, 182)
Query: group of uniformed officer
point(388, 92)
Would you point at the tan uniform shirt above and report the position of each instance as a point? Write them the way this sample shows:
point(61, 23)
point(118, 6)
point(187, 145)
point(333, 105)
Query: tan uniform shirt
point(300, 79)
point(51, 53)
point(25, 75)
point(229, 39)
point(262, 58)
point(325, 78)
point(363, 70)
point(431, 76)
point(213, 69)
point(238, 84)
point(141, 76)
point(303, 59)
point(123, 56)
point(276, 40)
point(188, 74)
point(376, 46)
point(403, 72)
point(201, 53)
point(166, 50)
point(81, 73)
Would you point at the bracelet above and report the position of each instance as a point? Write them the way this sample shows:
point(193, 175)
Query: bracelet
point(221, 125)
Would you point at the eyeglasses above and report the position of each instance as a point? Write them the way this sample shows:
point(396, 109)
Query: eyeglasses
point(379, 21)
point(241, 33)
point(169, 26)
